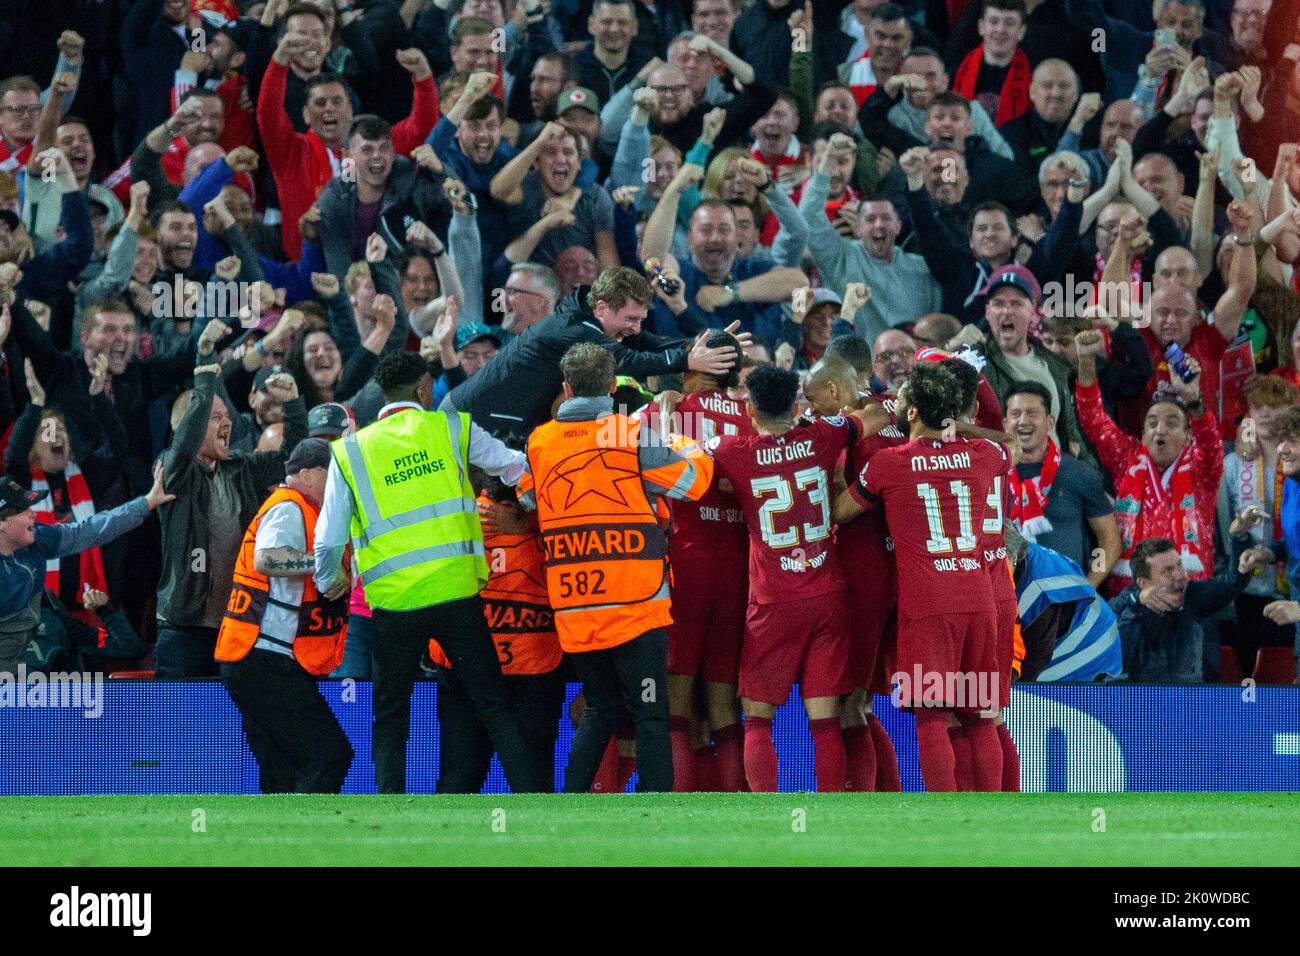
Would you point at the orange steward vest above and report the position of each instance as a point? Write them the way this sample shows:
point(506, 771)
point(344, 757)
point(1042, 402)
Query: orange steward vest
point(516, 606)
point(606, 554)
point(322, 625)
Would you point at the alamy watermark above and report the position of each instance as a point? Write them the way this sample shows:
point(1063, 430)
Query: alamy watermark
point(184, 298)
point(1071, 298)
point(955, 690)
point(54, 691)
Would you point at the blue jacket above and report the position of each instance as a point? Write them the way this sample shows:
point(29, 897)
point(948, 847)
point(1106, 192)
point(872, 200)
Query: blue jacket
point(22, 574)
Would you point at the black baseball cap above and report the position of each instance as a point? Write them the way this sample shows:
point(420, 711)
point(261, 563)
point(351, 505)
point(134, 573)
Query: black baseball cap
point(329, 420)
point(308, 453)
point(240, 32)
point(15, 499)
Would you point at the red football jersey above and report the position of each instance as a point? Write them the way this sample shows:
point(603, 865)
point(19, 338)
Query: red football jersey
point(994, 540)
point(864, 543)
point(785, 487)
point(714, 521)
point(935, 495)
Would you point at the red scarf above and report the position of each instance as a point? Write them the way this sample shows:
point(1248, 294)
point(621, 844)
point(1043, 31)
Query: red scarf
point(1013, 98)
point(83, 507)
point(1029, 496)
point(1142, 498)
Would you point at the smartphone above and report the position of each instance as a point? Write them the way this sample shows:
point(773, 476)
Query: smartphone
point(1165, 37)
point(1177, 360)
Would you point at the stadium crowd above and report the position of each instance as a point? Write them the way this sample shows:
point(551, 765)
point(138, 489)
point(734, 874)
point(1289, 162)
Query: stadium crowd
point(229, 230)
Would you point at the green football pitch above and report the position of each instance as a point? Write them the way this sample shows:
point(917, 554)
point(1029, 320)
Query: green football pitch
point(1127, 829)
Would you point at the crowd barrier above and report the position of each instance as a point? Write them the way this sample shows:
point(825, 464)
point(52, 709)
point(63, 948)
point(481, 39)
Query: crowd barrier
point(184, 737)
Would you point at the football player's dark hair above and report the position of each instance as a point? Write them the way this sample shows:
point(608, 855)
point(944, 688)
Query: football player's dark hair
point(773, 391)
point(967, 377)
point(934, 392)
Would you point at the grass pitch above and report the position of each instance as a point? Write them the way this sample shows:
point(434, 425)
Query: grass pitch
point(1122, 829)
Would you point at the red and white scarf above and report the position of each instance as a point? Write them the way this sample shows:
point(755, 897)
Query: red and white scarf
point(793, 156)
point(1142, 495)
point(1029, 495)
point(13, 162)
point(1013, 97)
point(862, 78)
point(83, 508)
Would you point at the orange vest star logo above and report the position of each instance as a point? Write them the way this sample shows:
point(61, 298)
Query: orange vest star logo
point(597, 472)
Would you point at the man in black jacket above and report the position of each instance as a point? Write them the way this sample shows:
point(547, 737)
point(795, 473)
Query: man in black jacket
point(1033, 135)
point(949, 126)
point(152, 47)
point(217, 494)
point(761, 37)
point(109, 329)
point(1162, 616)
point(513, 394)
point(992, 241)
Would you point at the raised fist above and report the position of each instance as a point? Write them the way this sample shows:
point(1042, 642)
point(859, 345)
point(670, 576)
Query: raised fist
point(1088, 106)
point(912, 162)
point(646, 98)
point(1089, 343)
point(326, 284)
point(426, 158)
point(413, 61)
point(242, 159)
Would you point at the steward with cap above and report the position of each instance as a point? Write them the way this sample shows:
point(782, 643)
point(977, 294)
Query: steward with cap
point(399, 490)
point(595, 477)
point(279, 634)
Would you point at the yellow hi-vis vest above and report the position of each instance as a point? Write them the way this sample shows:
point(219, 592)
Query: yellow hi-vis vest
point(416, 537)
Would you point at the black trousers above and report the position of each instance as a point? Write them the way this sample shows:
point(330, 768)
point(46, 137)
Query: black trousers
point(297, 740)
point(632, 677)
point(400, 640)
point(465, 749)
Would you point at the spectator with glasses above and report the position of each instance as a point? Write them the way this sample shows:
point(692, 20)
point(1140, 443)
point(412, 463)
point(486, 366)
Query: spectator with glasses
point(530, 295)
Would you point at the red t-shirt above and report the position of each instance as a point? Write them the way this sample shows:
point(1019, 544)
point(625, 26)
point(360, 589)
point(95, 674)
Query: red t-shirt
point(864, 542)
point(714, 522)
point(935, 495)
point(785, 487)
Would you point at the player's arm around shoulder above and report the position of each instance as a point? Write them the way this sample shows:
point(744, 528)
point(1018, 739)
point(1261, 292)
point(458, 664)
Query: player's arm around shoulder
point(1000, 444)
point(676, 466)
point(854, 499)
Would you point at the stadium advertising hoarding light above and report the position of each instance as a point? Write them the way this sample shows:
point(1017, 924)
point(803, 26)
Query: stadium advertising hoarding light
point(184, 737)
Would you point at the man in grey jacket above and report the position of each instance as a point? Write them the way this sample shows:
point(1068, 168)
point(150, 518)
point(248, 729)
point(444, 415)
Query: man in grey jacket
point(26, 547)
